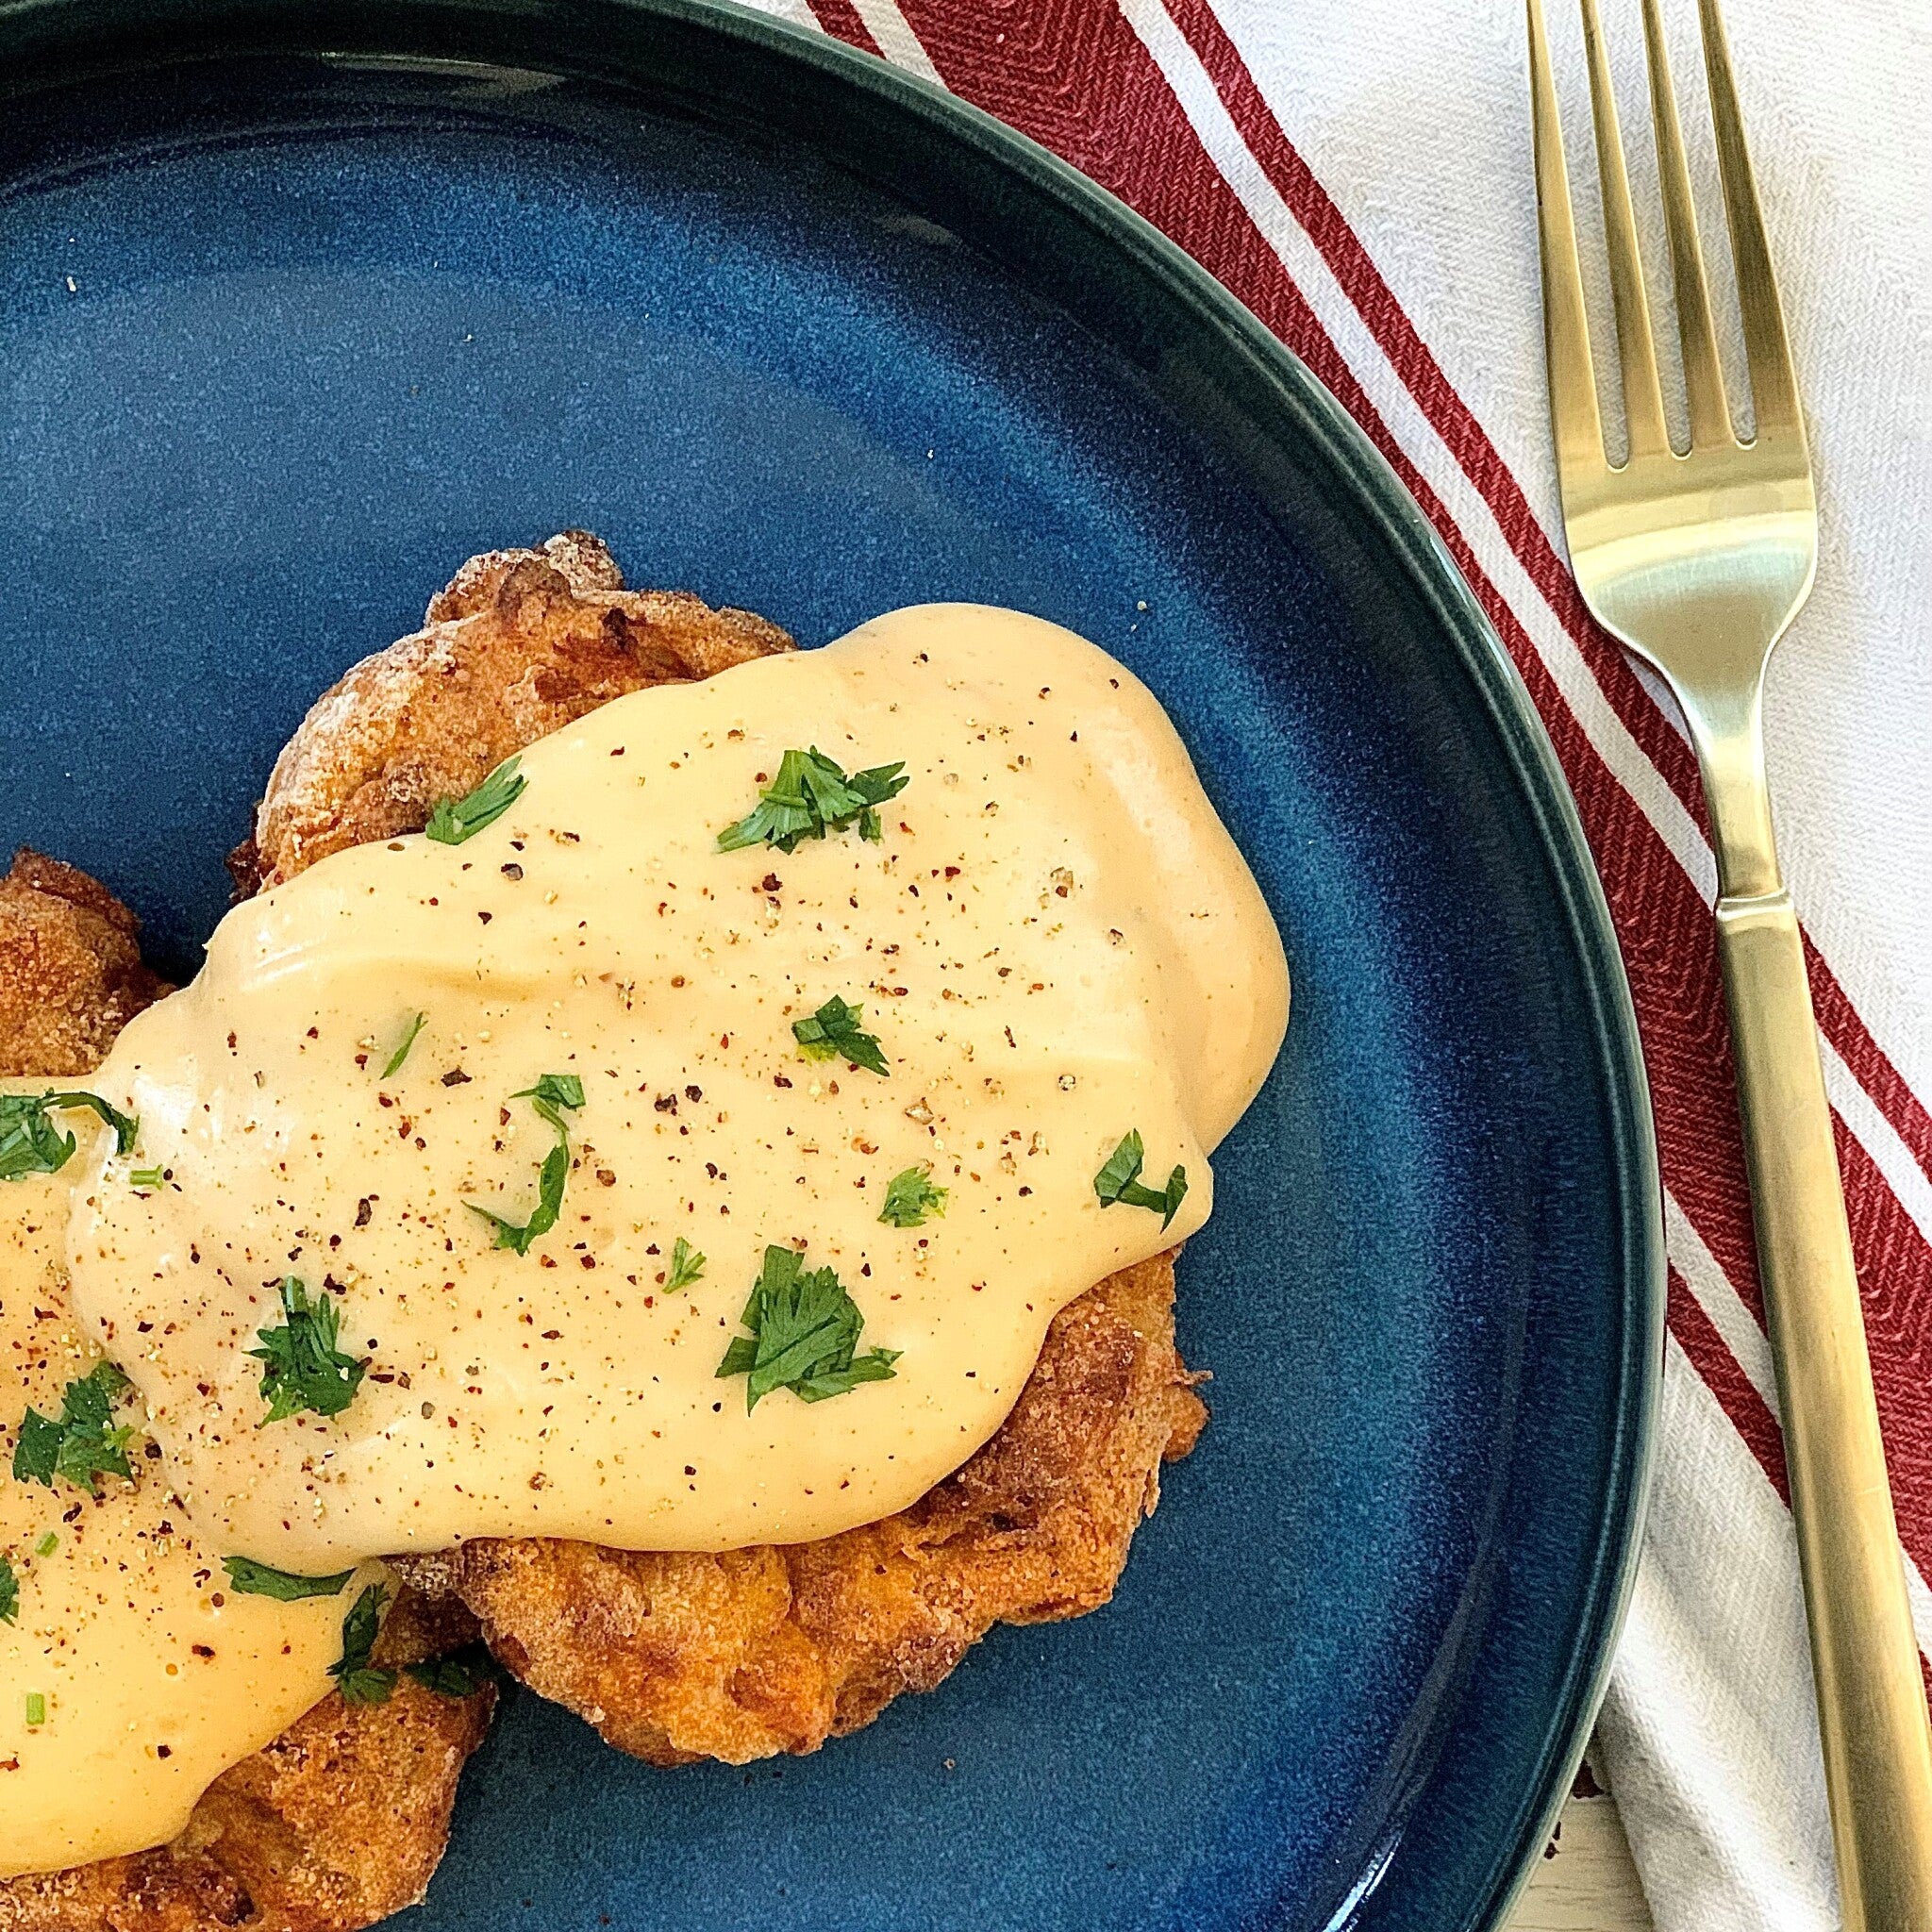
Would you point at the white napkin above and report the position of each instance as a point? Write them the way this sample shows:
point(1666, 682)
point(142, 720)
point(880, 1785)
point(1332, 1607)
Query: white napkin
point(1361, 175)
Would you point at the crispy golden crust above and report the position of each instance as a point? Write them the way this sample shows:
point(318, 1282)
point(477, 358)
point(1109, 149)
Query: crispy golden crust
point(740, 1656)
point(71, 976)
point(679, 1655)
point(520, 644)
point(341, 1820)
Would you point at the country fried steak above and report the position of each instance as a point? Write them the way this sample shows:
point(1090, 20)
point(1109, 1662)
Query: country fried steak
point(681, 1655)
point(341, 1820)
point(71, 976)
point(520, 644)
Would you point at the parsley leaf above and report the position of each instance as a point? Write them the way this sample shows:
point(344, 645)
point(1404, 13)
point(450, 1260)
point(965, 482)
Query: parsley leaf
point(32, 1143)
point(79, 1447)
point(10, 1592)
point(402, 1052)
point(250, 1579)
point(834, 1032)
point(803, 1329)
point(306, 1369)
point(687, 1265)
point(551, 1177)
point(910, 1196)
point(357, 1680)
point(456, 1672)
point(811, 797)
point(457, 819)
point(1120, 1180)
point(37, 1450)
point(551, 1093)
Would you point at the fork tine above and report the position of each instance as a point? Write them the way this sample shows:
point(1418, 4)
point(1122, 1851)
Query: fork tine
point(1703, 383)
point(1574, 417)
point(1774, 385)
point(1643, 401)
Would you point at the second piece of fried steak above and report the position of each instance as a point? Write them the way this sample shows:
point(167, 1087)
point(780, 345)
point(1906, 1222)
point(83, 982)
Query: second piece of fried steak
point(341, 1820)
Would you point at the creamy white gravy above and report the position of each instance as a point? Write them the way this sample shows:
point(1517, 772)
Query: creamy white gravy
point(1054, 941)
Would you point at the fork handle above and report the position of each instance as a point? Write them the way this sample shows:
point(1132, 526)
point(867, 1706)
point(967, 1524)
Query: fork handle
point(1872, 1713)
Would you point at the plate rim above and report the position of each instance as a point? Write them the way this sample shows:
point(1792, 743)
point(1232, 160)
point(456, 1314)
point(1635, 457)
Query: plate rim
point(39, 43)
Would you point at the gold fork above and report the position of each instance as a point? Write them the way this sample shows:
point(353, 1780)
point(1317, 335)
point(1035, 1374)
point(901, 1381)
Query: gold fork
point(1698, 561)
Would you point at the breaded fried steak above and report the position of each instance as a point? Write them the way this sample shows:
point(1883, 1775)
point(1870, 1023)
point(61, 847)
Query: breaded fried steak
point(71, 976)
point(743, 1654)
point(341, 1820)
point(680, 1654)
point(520, 643)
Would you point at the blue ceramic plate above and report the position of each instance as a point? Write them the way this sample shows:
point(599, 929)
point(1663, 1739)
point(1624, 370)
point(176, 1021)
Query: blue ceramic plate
point(286, 336)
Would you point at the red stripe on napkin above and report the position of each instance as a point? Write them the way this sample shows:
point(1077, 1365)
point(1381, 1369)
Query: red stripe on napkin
point(841, 18)
point(1716, 1366)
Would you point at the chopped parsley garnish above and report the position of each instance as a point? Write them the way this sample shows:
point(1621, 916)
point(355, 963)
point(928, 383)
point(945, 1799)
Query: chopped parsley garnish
point(458, 1672)
point(911, 1197)
point(36, 1707)
point(359, 1680)
point(32, 1143)
point(79, 1447)
point(36, 1453)
point(834, 1033)
point(551, 1093)
point(10, 1592)
point(803, 1329)
point(408, 1039)
point(47, 1544)
point(1120, 1180)
point(812, 797)
point(147, 1177)
point(687, 1265)
point(305, 1368)
point(457, 819)
point(250, 1579)
point(549, 1097)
